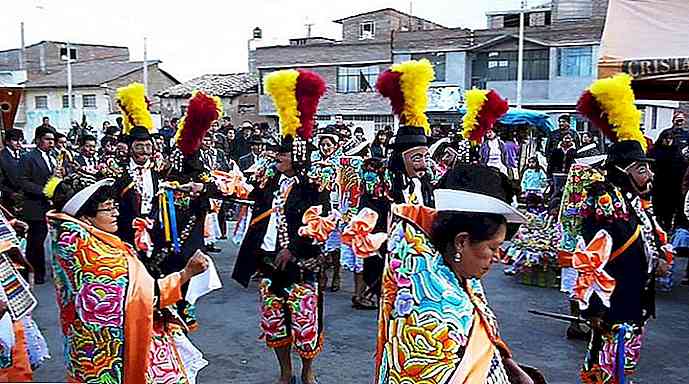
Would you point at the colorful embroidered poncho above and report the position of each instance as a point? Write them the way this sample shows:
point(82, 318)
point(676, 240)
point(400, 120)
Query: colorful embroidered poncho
point(106, 302)
point(433, 328)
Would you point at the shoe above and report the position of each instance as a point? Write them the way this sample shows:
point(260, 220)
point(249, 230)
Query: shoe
point(363, 304)
point(39, 280)
point(685, 281)
point(212, 249)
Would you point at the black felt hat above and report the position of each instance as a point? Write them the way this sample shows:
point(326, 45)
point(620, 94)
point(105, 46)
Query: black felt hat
point(477, 189)
point(408, 137)
point(138, 133)
point(43, 130)
point(624, 153)
point(14, 134)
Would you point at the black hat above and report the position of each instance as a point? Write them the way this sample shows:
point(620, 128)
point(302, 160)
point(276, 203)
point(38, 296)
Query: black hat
point(14, 134)
point(43, 130)
point(138, 133)
point(408, 137)
point(272, 145)
point(623, 153)
point(328, 131)
point(477, 189)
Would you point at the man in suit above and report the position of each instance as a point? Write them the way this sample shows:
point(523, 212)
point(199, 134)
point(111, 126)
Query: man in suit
point(36, 167)
point(87, 152)
point(257, 147)
point(9, 170)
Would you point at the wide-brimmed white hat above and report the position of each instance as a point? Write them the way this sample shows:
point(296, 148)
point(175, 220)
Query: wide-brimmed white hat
point(80, 198)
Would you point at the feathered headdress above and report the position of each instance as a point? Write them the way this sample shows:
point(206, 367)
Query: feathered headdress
point(406, 85)
point(133, 102)
point(295, 95)
point(609, 104)
point(483, 109)
point(202, 111)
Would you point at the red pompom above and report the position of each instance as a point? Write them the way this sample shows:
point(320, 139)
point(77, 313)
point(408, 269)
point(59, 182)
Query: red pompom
point(388, 84)
point(589, 107)
point(201, 113)
point(492, 110)
point(310, 88)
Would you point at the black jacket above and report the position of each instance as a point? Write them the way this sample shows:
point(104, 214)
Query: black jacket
point(633, 299)
point(301, 197)
point(9, 172)
point(34, 173)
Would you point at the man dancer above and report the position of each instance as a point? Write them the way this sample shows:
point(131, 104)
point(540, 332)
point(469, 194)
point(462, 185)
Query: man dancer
point(623, 246)
point(274, 245)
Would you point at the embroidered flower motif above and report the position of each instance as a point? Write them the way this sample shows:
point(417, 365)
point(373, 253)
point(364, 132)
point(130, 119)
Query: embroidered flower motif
point(400, 273)
point(404, 303)
point(101, 304)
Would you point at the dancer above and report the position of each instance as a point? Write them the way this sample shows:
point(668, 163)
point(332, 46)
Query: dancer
point(432, 295)
point(623, 246)
point(110, 307)
point(287, 261)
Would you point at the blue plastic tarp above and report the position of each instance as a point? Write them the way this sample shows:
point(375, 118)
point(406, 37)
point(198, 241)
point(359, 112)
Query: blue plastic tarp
point(515, 116)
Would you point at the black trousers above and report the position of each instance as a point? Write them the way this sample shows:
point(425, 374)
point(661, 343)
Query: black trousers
point(35, 252)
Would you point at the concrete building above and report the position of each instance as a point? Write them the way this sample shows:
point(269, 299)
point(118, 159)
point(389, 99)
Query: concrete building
point(94, 85)
point(238, 92)
point(350, 66)
point(97, 71)
point(562, 39)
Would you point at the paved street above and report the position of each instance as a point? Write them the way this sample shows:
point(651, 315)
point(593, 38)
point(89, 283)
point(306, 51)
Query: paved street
point(229, 334)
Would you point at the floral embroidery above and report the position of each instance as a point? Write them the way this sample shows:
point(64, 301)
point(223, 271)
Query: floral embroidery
point(101, 304)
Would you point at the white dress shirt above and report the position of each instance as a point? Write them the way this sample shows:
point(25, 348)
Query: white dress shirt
point(49, 161)
point(146, 189)
point(270, 238)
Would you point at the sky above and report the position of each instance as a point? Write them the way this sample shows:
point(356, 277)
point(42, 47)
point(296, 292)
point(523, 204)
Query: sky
point(210, 36)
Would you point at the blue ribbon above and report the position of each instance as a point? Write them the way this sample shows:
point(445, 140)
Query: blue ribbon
point(621, 353)
point(173, 221)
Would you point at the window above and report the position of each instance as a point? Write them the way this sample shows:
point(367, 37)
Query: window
point(88, 101)
point(65, 101)
point(502, 66)
point(357, 79)
point(438, 61)
point(367, 30)
point(72, 53)
point(41, 102)
point(575, 62)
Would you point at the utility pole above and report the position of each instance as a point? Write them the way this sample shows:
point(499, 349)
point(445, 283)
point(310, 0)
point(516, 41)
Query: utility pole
point(145, 68)
point(69, 81)
point(22, 50)
point(520, 60)
point(308, 29)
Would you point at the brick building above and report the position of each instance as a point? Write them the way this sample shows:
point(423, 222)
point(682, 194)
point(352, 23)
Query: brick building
point(238, 92)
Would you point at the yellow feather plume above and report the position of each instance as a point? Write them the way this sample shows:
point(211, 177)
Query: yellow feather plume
point(281, 86)
point(50, 186)
point(616, 97)
point(132, 102)
point(473, 102)
point(416, 77)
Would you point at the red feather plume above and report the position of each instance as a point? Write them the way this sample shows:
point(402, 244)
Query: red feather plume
point(492, 110)
point(310, 88)
point(201, 113)
point(388, 85)
point(588, 106)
